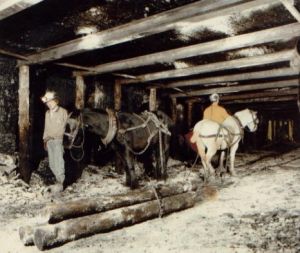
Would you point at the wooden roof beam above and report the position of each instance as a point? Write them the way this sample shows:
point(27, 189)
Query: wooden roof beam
point(260, 100)
point(239, 88)
point(253, 95)
point(230, 97)
point(231, 78)
point(289, 5)
point(278, 93)
point(14, 55)
point(284, 32)
point(11, 7)
point(252, 61)
point(140, 28)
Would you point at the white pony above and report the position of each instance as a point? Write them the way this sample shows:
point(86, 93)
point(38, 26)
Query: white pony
point(211, 136)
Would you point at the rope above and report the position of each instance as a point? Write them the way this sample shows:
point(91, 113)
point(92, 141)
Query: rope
point(159, 201)
point(160, 127)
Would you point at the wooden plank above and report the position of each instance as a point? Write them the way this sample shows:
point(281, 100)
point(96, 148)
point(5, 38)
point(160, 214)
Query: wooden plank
point(291, 8)
point(238, 88)
point(11, 7)
point(218, 66)
point(230, 78)
point(137, 29)
point(284, 32)
point(80, 92)
point(24, 123)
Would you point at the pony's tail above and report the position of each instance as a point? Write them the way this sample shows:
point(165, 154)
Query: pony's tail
point(200, 145)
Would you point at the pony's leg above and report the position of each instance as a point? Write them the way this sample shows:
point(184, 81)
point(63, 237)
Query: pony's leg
point(211, 151)
point(221, 163)
point(232, 159)
point(131, 179)
point(201, 152)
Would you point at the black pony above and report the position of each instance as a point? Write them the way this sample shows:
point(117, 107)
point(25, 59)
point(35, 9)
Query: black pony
point(144, 135)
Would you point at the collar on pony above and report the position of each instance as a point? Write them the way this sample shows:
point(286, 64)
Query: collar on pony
point(112, 127)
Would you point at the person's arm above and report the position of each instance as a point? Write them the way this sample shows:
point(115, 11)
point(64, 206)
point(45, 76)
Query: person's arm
point(46, 134)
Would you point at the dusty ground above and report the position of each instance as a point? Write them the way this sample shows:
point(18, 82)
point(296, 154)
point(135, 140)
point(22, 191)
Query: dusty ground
point(258, 211)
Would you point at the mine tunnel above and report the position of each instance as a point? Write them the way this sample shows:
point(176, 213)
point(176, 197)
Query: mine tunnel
point(149, 68)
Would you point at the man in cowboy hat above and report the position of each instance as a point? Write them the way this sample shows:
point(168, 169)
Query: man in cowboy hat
point(55, 122)
point(215, 112)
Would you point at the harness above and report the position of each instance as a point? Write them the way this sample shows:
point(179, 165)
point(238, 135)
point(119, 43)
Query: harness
point(228, 133)
point(147, 119)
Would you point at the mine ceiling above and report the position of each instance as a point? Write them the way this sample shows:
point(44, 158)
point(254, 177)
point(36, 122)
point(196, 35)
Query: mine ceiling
point(185, 48)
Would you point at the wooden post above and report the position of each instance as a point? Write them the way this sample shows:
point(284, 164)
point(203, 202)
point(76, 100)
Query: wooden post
point(24, 123)
point(174, 109)
point(80, 91)
point(152, 100)
point(190, 112)
point(118, 95)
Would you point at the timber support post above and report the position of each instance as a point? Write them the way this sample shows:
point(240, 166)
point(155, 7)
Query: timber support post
point(80, 92)
point(24, 123)
point(118, 94)
point(152, 100)
point(174, 109)
point(190, 112)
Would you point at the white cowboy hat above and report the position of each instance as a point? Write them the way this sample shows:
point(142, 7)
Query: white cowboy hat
point(49, 95)
point(214, 97)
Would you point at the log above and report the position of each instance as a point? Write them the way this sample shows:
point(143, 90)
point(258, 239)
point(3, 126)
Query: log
point(54, 235)
point(72, 209)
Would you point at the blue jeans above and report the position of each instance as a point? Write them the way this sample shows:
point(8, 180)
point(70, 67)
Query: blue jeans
point(56, 159)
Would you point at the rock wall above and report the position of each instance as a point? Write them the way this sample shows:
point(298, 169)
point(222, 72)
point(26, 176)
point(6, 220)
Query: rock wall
point(8, 105)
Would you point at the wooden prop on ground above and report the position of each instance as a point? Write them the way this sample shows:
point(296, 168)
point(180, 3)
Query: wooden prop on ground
point(106, 213)
point(54, 235)
point(72, 209)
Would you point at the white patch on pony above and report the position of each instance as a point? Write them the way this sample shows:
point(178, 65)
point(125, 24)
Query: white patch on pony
point(98, 97)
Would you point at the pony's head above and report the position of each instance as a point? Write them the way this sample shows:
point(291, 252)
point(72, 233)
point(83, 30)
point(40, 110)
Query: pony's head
point(248, 119)
point(73, 129)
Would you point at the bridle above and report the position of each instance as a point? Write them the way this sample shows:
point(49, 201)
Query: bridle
point(254, 120)
point(72, 136)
